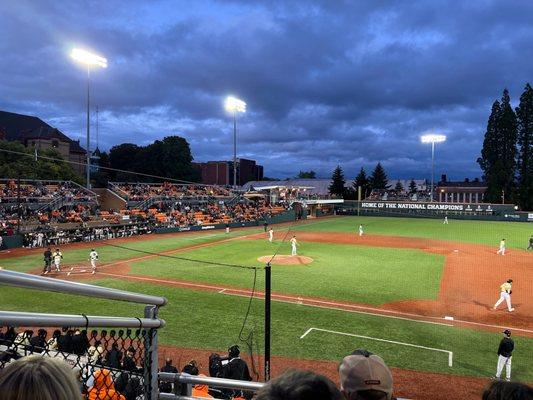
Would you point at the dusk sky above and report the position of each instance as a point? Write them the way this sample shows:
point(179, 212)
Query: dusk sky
point(326, 82)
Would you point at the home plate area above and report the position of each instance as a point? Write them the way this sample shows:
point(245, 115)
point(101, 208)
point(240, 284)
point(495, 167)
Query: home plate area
point(285, 259)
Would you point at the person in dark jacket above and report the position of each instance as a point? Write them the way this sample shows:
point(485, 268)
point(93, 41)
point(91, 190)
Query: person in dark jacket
point(236, 368)
point(133, 389)
point(114, 357)
point(505, 354)
point(166, 387)
point(47, 261)
point(64, 342)
point(38, 342)
point(80, 343)
point(128, 364)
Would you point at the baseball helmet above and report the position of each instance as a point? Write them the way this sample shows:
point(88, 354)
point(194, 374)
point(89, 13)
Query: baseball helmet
point(509, 281)
point(507, 332)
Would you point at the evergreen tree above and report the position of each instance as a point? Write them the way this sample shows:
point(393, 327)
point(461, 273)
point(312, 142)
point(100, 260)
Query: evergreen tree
point(378, 180)
point(399, 187)
point(412, 187)
point(361, 180)
point(524, 114)
point(337, 182)
point(306, 175)
point(498, 155)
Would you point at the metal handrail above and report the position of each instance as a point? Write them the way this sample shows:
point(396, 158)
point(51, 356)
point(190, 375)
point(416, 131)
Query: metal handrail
point(29, 281)
point(18, 318)
point(210, 381)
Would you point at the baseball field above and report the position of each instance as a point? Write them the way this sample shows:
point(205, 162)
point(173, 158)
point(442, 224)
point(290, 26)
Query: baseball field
point(415, 291)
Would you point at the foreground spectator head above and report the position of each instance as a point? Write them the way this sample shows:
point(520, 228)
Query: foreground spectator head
point(299, 385)
point(502, 390)
point(38, 378)
point(365, 377)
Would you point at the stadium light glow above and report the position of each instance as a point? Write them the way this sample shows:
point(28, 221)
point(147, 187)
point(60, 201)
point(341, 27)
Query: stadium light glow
point(89, 60)
point(432, 138)
point(233, 104)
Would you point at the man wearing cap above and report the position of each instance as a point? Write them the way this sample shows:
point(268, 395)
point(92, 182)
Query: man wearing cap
point(505, 354)
point(365, 376)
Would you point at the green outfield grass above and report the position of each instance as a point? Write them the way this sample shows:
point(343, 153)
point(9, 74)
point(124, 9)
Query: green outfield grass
point(482, 232)
point(207, 320)
point(109, 252)
point(341, 272)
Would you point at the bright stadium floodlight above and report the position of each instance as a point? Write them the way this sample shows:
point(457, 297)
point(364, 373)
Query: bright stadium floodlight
point(432, 138)
point(234, 105)
point(89, 60)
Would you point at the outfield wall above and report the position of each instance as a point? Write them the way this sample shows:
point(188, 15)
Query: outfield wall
point(287, 216)
point(481, 211)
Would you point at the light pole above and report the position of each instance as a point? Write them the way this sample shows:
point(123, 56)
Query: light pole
point(432, 138)
point(234, 105)
point(88, 59)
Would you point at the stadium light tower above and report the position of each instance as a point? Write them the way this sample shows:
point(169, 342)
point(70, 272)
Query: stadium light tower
point(432, 138)
point(234, 105)
point(89, 60)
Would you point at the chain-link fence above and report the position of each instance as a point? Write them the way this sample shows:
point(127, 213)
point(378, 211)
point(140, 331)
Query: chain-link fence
point(111, 356)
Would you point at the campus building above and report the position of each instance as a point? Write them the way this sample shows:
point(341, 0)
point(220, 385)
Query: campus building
point(221, 172)
point(33, 132)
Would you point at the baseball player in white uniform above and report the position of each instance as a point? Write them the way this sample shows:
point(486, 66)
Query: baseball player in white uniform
point(294, 244)
point(361, 230)
point(502, 248)
point(93, 257)
point(57, 256)
point(505, 294)
point(445, 220)
point(270, 235)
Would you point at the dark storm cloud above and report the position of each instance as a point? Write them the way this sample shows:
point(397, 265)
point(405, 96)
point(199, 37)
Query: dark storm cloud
point(325, 82)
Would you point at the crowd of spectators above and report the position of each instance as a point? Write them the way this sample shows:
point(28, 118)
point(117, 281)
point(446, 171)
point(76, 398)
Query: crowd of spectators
point(144, 191)
point(42, 191)
point(105, 364)
point(113, 374)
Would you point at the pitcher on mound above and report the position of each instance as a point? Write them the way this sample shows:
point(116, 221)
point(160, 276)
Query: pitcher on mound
point(294, 244)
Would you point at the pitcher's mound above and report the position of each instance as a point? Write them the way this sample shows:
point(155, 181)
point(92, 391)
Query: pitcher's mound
point(283, 259)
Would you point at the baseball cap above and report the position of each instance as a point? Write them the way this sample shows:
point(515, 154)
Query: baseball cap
point(507, 332)
point(365, 372)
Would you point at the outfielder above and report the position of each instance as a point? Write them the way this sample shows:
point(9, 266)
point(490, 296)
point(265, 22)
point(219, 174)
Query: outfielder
point(445, 220)
point(361, 230)
point(93, 257)
point(502, 248)
point(505, 354)
point(57, 256)
point(294, 243)
point(270, 235)
point(505, 294)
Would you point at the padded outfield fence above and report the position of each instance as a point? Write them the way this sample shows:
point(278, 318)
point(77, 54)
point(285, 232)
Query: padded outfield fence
point(107, 352)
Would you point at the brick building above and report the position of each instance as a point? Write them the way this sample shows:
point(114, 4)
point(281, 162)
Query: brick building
point(33, 132)
point(466, 191)
point(221, 172)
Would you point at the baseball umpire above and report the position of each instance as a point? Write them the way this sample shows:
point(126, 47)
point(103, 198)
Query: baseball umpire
point(505, 354)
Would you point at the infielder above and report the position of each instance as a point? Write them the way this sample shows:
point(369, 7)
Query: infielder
point(505, 294)
point(361, 230)
point(530, 247)
point(505, 354)
point(57, 256)
point(502, 248)
point(294, 243)
point(270, 235)
point(93, 257)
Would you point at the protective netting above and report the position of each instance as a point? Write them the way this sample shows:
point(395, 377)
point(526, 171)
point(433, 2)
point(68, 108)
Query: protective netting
point(109, 363)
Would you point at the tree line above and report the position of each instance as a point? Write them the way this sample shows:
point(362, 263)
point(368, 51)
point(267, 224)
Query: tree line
point(507, 153)
point(170, 157)
point(377, 180)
